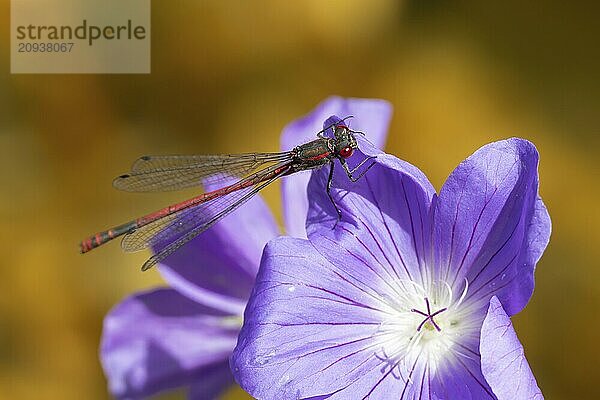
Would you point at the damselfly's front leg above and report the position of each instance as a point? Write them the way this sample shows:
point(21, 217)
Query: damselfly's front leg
point(350, 176)
point(351, 172)
point(329, 181)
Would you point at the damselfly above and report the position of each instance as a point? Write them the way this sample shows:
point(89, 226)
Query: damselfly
point(169, 228)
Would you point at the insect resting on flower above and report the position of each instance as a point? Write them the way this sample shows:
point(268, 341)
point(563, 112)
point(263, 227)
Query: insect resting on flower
point(175, 225)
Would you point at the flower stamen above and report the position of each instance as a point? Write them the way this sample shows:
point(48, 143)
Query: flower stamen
point(428, 316)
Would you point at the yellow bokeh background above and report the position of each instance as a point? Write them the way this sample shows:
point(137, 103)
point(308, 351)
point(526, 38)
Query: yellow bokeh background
point(226, 77)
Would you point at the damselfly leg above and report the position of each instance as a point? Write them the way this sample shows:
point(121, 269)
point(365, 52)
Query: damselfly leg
point(350, 173)
point(329, 181)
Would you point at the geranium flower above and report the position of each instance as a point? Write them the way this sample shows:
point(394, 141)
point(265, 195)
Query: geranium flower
point(183, 335)
point(408, 296)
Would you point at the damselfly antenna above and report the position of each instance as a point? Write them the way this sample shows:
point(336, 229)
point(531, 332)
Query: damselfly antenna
point(351, 130)
point(359, 132)
point(332, 125)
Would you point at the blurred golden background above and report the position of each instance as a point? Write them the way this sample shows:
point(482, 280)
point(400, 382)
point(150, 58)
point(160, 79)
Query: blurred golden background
point(226, 77)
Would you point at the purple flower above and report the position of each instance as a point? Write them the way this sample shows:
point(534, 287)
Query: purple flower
point(407, 297)
point(184, 335)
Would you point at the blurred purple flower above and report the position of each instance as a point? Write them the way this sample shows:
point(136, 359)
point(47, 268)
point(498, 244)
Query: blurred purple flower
point(409, 295)
point(184, 335)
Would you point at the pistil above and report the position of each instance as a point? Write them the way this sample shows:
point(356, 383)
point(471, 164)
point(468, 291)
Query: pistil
point(428, 316)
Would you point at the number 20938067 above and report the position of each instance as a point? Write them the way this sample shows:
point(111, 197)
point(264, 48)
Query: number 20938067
point(28, 47)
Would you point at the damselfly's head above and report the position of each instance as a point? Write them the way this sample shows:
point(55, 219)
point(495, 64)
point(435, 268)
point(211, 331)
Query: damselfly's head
point(345, 142)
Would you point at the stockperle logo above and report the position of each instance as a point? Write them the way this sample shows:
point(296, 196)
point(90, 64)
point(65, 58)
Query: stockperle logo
point(80, 36)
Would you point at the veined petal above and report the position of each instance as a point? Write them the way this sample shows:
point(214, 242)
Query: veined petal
point(312, 331)
point(229, 251)
point(537, 238)
point(370, 115)
point(484, 217)
point(160, 340)
point(461, 378)
point(385, 222)
point(309, 329)
point(503, 361)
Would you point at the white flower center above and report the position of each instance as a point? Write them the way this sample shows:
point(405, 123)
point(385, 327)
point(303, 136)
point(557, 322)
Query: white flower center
point(425, 323)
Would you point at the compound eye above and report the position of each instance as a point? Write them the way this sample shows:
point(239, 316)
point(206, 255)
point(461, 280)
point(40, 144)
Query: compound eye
point(346, 152)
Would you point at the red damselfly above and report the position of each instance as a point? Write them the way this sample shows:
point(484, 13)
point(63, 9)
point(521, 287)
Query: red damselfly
point(171, 227)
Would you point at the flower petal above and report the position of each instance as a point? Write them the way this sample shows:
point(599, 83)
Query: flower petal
point(160, 340)
point(311, 329)
point(229, 251)
point(370, 115)
point(385, 220)
point(537, 238)
point(486, 220)
point(460, 378)
point(503, 361)
point(213, 383)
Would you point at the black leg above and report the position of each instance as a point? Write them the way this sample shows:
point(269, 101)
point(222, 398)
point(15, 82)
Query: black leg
point(350, 173)
point(329, 181)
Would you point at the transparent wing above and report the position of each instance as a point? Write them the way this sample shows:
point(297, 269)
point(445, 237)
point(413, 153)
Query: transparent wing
point(164, 173)
point(171, 232)
point(159, 233)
